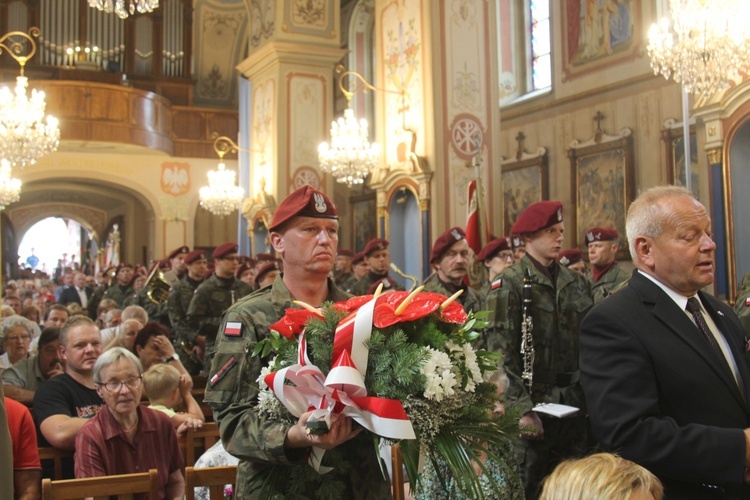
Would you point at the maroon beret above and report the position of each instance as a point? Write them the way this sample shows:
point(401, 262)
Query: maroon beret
point(570, 256)
point(345, 252)
point(445, 241)
point(264, 257)
point(358, 257)
point(123, 265)
point(493, 248)
point(164, 264)
point(224, 249)
point(376, 244)
point(177, 251)
point(538, 216)
point(250, 262)
point(388, 284)
point(601, 234)
point(266, 268)
point(305, 201)
point(242, 269)
point(195, 255)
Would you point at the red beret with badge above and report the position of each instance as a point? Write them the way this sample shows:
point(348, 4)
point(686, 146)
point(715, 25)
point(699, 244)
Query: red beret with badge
point(493, 248)
point(601, 234)
point(538, 216)
point(123, 265)
point(375, 245)
point(195, 255)
point(177, 251)
point(266, 268)
point(358, 257)
point(570, 256)
point(224, 249)
point(305, 201)
point(445, 241)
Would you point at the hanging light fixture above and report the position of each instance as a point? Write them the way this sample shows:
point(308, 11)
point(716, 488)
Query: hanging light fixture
point(25, 134)
point(706, 45)
point(222, 196)
point(10, 188)
point(350, 157)
point(123, 8)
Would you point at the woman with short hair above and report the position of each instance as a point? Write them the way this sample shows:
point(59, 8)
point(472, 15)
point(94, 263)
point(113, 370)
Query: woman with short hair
point(15, 338)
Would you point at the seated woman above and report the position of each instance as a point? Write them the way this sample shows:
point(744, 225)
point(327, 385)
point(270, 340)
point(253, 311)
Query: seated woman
point(126, 437)
point(15, 338)
point(153, 345)
point(125, 334)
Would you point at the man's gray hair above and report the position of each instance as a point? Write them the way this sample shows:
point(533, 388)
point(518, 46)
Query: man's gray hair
point(15, 321)
point(135, 312)
point(112, 356)
point(647, 216)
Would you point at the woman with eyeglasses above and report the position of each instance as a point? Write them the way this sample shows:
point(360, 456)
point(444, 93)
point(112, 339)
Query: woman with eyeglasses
point(497, 255)
point(126, 437)
point(15, 338)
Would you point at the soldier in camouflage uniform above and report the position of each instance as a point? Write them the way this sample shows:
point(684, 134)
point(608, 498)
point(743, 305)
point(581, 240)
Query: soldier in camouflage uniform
point(742, 305)
point(497, 255)
point(559, 301)
point(304, 231)
point(342, 270)
point(177, 266)
point(608, 277)
point(215, 295)
point(177, 306)
point(450, 260)
point(359, 270)
point(378, 260)
point(121, 289)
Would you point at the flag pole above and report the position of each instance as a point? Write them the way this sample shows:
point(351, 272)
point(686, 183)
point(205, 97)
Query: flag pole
point(483, 239)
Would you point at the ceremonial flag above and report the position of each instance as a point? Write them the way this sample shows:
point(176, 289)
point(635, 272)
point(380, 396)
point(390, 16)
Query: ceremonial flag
point(477, 233)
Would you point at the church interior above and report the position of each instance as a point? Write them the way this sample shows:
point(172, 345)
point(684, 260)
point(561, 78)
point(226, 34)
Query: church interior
point(535, 100)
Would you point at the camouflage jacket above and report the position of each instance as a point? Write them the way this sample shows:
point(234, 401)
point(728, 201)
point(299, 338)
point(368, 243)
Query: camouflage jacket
point(363, 285)
point(614, 279)
point(177, 308)
point(232, 391)
point(471, 299)
point(741, 307)
point(556, 311)
point(211, 299)
point(156, 312)
point(347, 284)
point(118, 293)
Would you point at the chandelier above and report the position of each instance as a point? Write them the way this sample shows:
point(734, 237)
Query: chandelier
point(707, 45)
point(350, 156)
point(123, 8)
point(222, 196)
point(10, 189)
point(25, 134)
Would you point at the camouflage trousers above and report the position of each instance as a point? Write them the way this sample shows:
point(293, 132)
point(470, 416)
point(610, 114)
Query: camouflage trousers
point(563, 438)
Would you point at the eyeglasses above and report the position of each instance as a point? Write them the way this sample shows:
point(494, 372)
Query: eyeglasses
point(505, 256)
point(19, 337)
point(116, 386)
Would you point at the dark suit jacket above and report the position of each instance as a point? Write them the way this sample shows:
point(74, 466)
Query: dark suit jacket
point(659, 396)
point(70, 294)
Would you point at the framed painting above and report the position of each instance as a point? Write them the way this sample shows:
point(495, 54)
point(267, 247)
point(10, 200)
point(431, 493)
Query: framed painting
point(599, 33)
point(524, 181)
point(602, 184)
point(672, 135)
point(364, 219)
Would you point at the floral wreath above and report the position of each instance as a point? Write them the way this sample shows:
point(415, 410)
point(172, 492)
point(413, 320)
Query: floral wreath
point(401, 365)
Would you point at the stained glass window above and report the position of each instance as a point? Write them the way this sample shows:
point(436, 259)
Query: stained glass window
point(541, 62)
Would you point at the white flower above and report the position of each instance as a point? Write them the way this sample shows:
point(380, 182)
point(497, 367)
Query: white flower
point(440, 378)
point(472, 367)
point(263, 372)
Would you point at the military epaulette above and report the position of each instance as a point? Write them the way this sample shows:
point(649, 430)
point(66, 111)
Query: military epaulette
point(498, 283)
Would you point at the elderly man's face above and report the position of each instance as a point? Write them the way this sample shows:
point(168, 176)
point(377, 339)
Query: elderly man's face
point(453, 264)
point(127, 397)
point(682, 257)
point(602, 253)
point(308, 244)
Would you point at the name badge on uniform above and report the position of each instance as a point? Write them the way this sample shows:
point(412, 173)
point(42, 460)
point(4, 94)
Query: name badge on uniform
point(233, 329)
point(498, 283)
point(222, 371)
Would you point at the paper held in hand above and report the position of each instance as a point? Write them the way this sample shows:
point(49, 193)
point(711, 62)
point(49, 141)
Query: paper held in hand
point(556, 410)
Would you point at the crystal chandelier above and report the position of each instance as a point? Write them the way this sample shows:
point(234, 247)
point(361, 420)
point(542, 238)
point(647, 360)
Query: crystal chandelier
point(350, 157)
point(10, 189)
point(25, 134)
point(222, 196)
point(123, 8)
point(707, 45)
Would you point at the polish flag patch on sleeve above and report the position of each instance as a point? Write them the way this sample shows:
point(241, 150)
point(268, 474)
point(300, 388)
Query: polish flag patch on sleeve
point(498, 283)
point(747, 301)
point(233, 329)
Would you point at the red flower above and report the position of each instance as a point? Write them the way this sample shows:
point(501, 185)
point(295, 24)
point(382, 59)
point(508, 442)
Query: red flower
point(422, 305)
point(293, 322)
point(354, 303)
point(453, 313)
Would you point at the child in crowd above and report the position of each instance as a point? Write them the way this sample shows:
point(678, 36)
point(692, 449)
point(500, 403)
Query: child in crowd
point(167, 391)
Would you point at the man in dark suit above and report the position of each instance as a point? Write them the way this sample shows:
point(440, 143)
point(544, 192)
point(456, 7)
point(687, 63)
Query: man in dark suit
point(78, 293)
point(666, 386)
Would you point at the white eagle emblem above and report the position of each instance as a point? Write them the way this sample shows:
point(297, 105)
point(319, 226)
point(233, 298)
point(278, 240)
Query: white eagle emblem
point(456, 234)
point(590, 236)
point(320, 203)
point(559, 214)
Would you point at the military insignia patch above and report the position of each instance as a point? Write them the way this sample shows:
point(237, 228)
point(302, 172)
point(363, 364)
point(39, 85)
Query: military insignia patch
point(233, 329)
point(498, 283)
point(320, 203)
point(222, 371)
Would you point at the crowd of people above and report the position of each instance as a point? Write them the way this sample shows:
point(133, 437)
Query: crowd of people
point(652, 367)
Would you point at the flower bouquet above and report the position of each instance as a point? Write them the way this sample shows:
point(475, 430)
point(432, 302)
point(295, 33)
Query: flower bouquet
point(402, 366)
